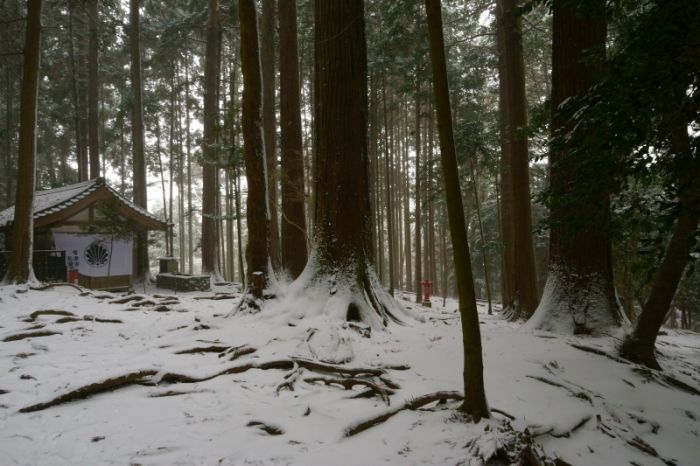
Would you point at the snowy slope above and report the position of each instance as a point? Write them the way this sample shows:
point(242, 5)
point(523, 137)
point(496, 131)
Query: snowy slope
point(622, 415)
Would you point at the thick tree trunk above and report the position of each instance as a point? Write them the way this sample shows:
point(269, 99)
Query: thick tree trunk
point(258, 275)
point(522, 274)
point(269, 121)
point(579, 295)
point(138, 138)
point(340, 265)
point(475, 403)
point(639, 346)
point(93, 86)
point(294, 252)
point(210, 237)
point(20, 265)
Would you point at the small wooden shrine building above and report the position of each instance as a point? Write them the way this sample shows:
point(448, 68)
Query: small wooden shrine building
point(58, 216)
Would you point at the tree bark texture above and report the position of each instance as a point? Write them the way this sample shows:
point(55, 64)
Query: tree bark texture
point(522, 275)
point(269, 119)
point(475, 403)
point(210, 237)
point(138, 136)
point(340, 265)
point(258, 213)
point(579, 295)
point(20, 265)
point(293, 227)
point(93, 85)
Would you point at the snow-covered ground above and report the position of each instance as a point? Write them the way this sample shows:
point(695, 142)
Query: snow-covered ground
point(622, 415)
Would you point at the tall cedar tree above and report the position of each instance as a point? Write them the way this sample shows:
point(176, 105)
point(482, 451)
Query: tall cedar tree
point(293, 227)
point(20, 266)
point(269, 119)
point(523, 295)
point(138, 136)
point(210, 237)
point(259, 271)
point(475, 403)
point(93, 86)
point(579, 296)
point(340, 269)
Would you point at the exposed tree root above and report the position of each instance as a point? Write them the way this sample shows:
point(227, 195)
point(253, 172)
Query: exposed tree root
point(415, 403)
point(582, 394)
point(164, 296)
point(665, 379)
point(205, 349)
point(22, 336)
point(236, 352)
point(90, 389)
point(349, 383)
point(48, 286)
point(268, 428)
point(503, 413)
point(126, 299)
point(290, 378)
point(389, 383)
point(363, 330)
point(370, 393)
point(65, 320)
point(337, 369)
point(560, 430)
point(218, 297)
point(47, 312)
point(600, 352)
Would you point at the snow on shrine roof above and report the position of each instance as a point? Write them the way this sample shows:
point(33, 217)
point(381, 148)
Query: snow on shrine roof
point(51, 201)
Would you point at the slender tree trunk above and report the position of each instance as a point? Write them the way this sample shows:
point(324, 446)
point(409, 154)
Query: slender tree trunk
point(475, 403)
point(138, 138)
point(239, 233)
point(524, 293)
point(210, 239)
point(579, 295)
point(419, 251)
point(483, 238)
point(20, 265)
point(639, 346)
point(294, 253)
point(258, 212)
point(269, 120)
point(190, 210)
point(79, 149)
point(407, 218)
point(388, 192)
point(93, 83)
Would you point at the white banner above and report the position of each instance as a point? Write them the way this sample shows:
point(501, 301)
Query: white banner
point(91, 254)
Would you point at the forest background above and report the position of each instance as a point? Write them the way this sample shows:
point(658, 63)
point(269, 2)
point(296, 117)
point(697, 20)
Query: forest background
point(85, 129)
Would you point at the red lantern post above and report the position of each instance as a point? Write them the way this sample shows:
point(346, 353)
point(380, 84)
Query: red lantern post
point(426, 292)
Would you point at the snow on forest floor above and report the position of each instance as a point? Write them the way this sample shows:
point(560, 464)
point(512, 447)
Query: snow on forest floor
point(619, 413)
